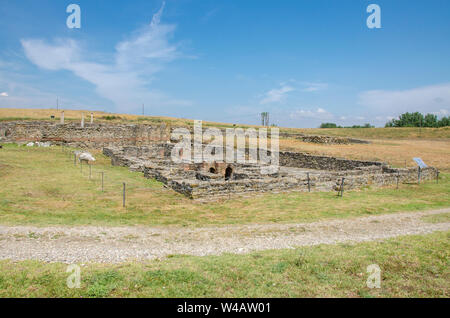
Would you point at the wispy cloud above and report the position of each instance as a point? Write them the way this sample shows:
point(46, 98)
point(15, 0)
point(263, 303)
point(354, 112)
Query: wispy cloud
point(427, 99)
point(4, 94)
point(319, 113)
point(126, 81)
point(314, 87)
point(276, 95)
point(209, 14)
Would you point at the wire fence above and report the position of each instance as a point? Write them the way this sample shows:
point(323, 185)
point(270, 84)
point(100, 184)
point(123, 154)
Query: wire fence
point(108, 182)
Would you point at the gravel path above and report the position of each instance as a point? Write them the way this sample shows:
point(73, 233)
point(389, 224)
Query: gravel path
point(84, 244)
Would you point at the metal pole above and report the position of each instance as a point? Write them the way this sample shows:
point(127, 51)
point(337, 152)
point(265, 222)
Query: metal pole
point(309, 185)
point(342, 187)
point(124, 187)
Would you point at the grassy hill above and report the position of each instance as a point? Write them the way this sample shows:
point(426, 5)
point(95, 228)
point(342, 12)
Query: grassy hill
point(364, 133)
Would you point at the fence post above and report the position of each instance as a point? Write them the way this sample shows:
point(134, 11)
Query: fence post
point(418, 176)
point(437, 176)
point(309, 184)
point(124, 186)
point(398, 176)
point(342, 187)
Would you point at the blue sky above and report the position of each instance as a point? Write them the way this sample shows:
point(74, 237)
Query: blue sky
point(305, 62)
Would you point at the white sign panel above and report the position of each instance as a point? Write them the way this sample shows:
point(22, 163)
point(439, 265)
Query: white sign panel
point(420, 162)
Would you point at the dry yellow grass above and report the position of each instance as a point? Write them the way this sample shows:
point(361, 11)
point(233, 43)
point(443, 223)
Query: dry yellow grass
point(364, 133)
point(435, 153)
point(45, 114)
point(17, 113)
point(392, 145)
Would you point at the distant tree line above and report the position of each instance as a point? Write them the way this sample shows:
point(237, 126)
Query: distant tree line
point(404, 120)
point(333, 125)
point(418, 120)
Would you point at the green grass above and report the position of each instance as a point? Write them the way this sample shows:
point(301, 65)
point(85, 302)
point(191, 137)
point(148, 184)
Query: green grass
point(41, 186)
point(437, 218)
point(411, 266)
point(9, 114)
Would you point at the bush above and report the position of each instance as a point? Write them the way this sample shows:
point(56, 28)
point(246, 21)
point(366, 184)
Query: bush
point(328, 125)
point(110, 117)
point(418, 120)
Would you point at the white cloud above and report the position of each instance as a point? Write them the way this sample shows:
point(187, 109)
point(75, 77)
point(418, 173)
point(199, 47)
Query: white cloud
point(442, 112)
point(126, 80)
point(4, 94)
point(276, 95)
point(426, 99)
point(319, 113)
point(314, 87)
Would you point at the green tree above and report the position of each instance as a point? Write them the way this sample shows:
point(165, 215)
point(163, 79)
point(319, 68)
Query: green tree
point(430, 120)
point(328, 125)
point(445, 121)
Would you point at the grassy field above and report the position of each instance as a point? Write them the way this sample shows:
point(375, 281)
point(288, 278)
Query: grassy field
point(365, 133)
point(396, 152)
point(42, 186)
point(378, 133)
point(412, 266)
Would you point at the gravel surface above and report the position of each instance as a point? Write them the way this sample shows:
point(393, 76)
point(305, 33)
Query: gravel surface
point(83, 244)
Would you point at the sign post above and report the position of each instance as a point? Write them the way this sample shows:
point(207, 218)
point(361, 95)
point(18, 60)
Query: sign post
point(421, 165)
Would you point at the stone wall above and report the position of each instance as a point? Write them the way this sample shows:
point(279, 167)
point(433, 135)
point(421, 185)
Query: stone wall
point(302, 160)
point(319, 139)
point(95, 135)
point(193, 181)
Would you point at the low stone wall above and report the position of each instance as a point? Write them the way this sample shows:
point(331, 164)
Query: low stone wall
point(319, 139)
point(192, 180)
point(95, 135)
point(302, 160)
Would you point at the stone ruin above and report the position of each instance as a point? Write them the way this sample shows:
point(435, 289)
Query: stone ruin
point(148, 148)
point(297, 172)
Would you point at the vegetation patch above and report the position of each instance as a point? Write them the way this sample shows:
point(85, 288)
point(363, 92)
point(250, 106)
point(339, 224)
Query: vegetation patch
point(411, 266)
point(44, 187)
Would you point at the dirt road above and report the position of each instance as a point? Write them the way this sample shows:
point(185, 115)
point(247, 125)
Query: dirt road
point(84, 244)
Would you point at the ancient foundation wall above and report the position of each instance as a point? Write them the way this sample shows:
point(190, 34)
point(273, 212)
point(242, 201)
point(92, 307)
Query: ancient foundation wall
point(183, 178)
point(302, 160)
point(319, 139)
point(95, 135)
